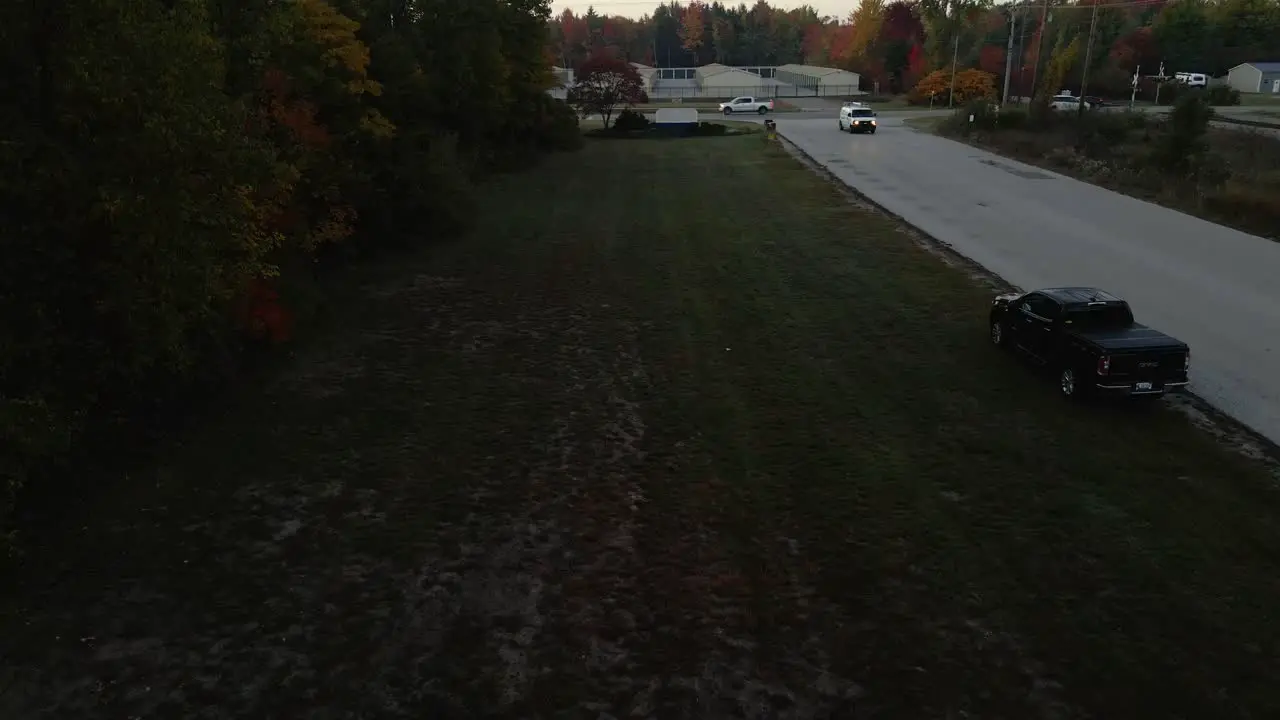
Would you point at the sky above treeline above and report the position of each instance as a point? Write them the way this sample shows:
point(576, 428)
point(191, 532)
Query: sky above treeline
point(637, 8)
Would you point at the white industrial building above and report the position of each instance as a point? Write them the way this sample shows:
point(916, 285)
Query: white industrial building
point(647, 75)
point(563, 76)
point(819, 80)
point(716, 80)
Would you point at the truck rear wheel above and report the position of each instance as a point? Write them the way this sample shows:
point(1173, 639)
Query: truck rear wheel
point(763, 110)
point(1068, 384)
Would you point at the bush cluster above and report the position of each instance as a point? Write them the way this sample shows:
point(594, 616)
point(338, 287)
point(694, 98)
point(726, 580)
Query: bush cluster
point(631, 121)
point(1217, 95)
point(168, 165)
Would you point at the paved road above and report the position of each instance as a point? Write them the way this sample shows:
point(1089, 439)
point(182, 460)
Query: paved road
point(1209, 285)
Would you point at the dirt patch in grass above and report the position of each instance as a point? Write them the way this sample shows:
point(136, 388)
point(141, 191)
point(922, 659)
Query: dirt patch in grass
point(667, 442)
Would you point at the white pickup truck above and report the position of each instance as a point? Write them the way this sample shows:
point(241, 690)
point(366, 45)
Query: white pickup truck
point(746, 104)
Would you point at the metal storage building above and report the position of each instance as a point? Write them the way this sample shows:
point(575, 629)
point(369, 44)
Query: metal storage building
point(819, 80)
point(1255, 77)
point(647, 74)
point(716, 80)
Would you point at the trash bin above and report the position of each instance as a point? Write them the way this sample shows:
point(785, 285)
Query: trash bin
point(771, 129)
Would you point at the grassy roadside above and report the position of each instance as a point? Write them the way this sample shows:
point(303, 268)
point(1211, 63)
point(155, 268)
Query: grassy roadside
point(925, 124)
point(1233, 181)
point(666, 440)
point(1260, 99)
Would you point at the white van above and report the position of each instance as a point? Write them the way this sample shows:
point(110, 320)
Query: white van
point(1192, 79)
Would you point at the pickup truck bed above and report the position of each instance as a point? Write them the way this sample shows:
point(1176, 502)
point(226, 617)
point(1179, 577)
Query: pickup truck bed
point(1134, 337)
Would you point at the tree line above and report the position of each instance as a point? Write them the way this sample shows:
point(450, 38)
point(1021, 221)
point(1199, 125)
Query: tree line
point(169, 165)
point(894, 44)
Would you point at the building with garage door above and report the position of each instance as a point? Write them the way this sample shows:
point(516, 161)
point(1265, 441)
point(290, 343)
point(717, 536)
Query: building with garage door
point(1255, 77)
point(716, 80)
point(819, 80)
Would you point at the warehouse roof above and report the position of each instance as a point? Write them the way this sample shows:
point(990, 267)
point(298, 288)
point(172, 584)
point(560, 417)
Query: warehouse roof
point(730, 74)
point(812, 70)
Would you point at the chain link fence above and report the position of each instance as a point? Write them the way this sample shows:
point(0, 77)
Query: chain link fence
point(770, 90)
point(663, 92)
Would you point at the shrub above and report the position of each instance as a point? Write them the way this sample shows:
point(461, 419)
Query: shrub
point(987, 116)
point(1099, 132)
point(709, 129)
point(1254, 206)
point(1184, 135)
point(1223, 95)
point(1170, 92)
point(557, 128)
point(1015, 119)
point(631, 121)
point(969, 85)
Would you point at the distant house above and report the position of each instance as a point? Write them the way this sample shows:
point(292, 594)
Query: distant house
point(1255, 77)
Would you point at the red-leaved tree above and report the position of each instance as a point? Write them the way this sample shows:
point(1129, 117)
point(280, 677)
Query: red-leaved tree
point(916, 67)
point(603, 84)
point(1137, 48)
point(991, 59)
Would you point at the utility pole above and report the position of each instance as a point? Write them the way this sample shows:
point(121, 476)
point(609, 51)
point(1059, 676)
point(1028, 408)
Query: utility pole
point(1088, 56)
point(1008, 54)
point(955, 54)
point(1035, 66)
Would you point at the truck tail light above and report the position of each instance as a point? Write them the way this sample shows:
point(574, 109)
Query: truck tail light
point(1104, 364)
point(1186, 362)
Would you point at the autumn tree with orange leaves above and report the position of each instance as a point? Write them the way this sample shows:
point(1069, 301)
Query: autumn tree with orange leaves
point(692, 26)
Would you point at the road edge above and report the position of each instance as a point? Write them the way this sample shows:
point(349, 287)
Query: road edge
point(1227, 430)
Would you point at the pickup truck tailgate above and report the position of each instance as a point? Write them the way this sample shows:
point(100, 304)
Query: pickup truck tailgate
point(1160, 365)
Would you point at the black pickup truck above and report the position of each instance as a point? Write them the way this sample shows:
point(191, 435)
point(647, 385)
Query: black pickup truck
point(1089, 338)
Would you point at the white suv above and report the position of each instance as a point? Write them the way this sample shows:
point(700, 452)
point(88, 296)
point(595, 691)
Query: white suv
point(1067, 102)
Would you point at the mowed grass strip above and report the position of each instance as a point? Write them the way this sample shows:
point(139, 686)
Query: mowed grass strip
point(678, 432)
point(978, 528)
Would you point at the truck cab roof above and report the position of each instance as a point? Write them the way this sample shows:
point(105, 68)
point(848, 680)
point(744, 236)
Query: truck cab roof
point(1074, 297)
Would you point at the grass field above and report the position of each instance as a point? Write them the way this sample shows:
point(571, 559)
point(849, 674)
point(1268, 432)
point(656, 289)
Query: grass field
point(678, 433)
point(1260, 99)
